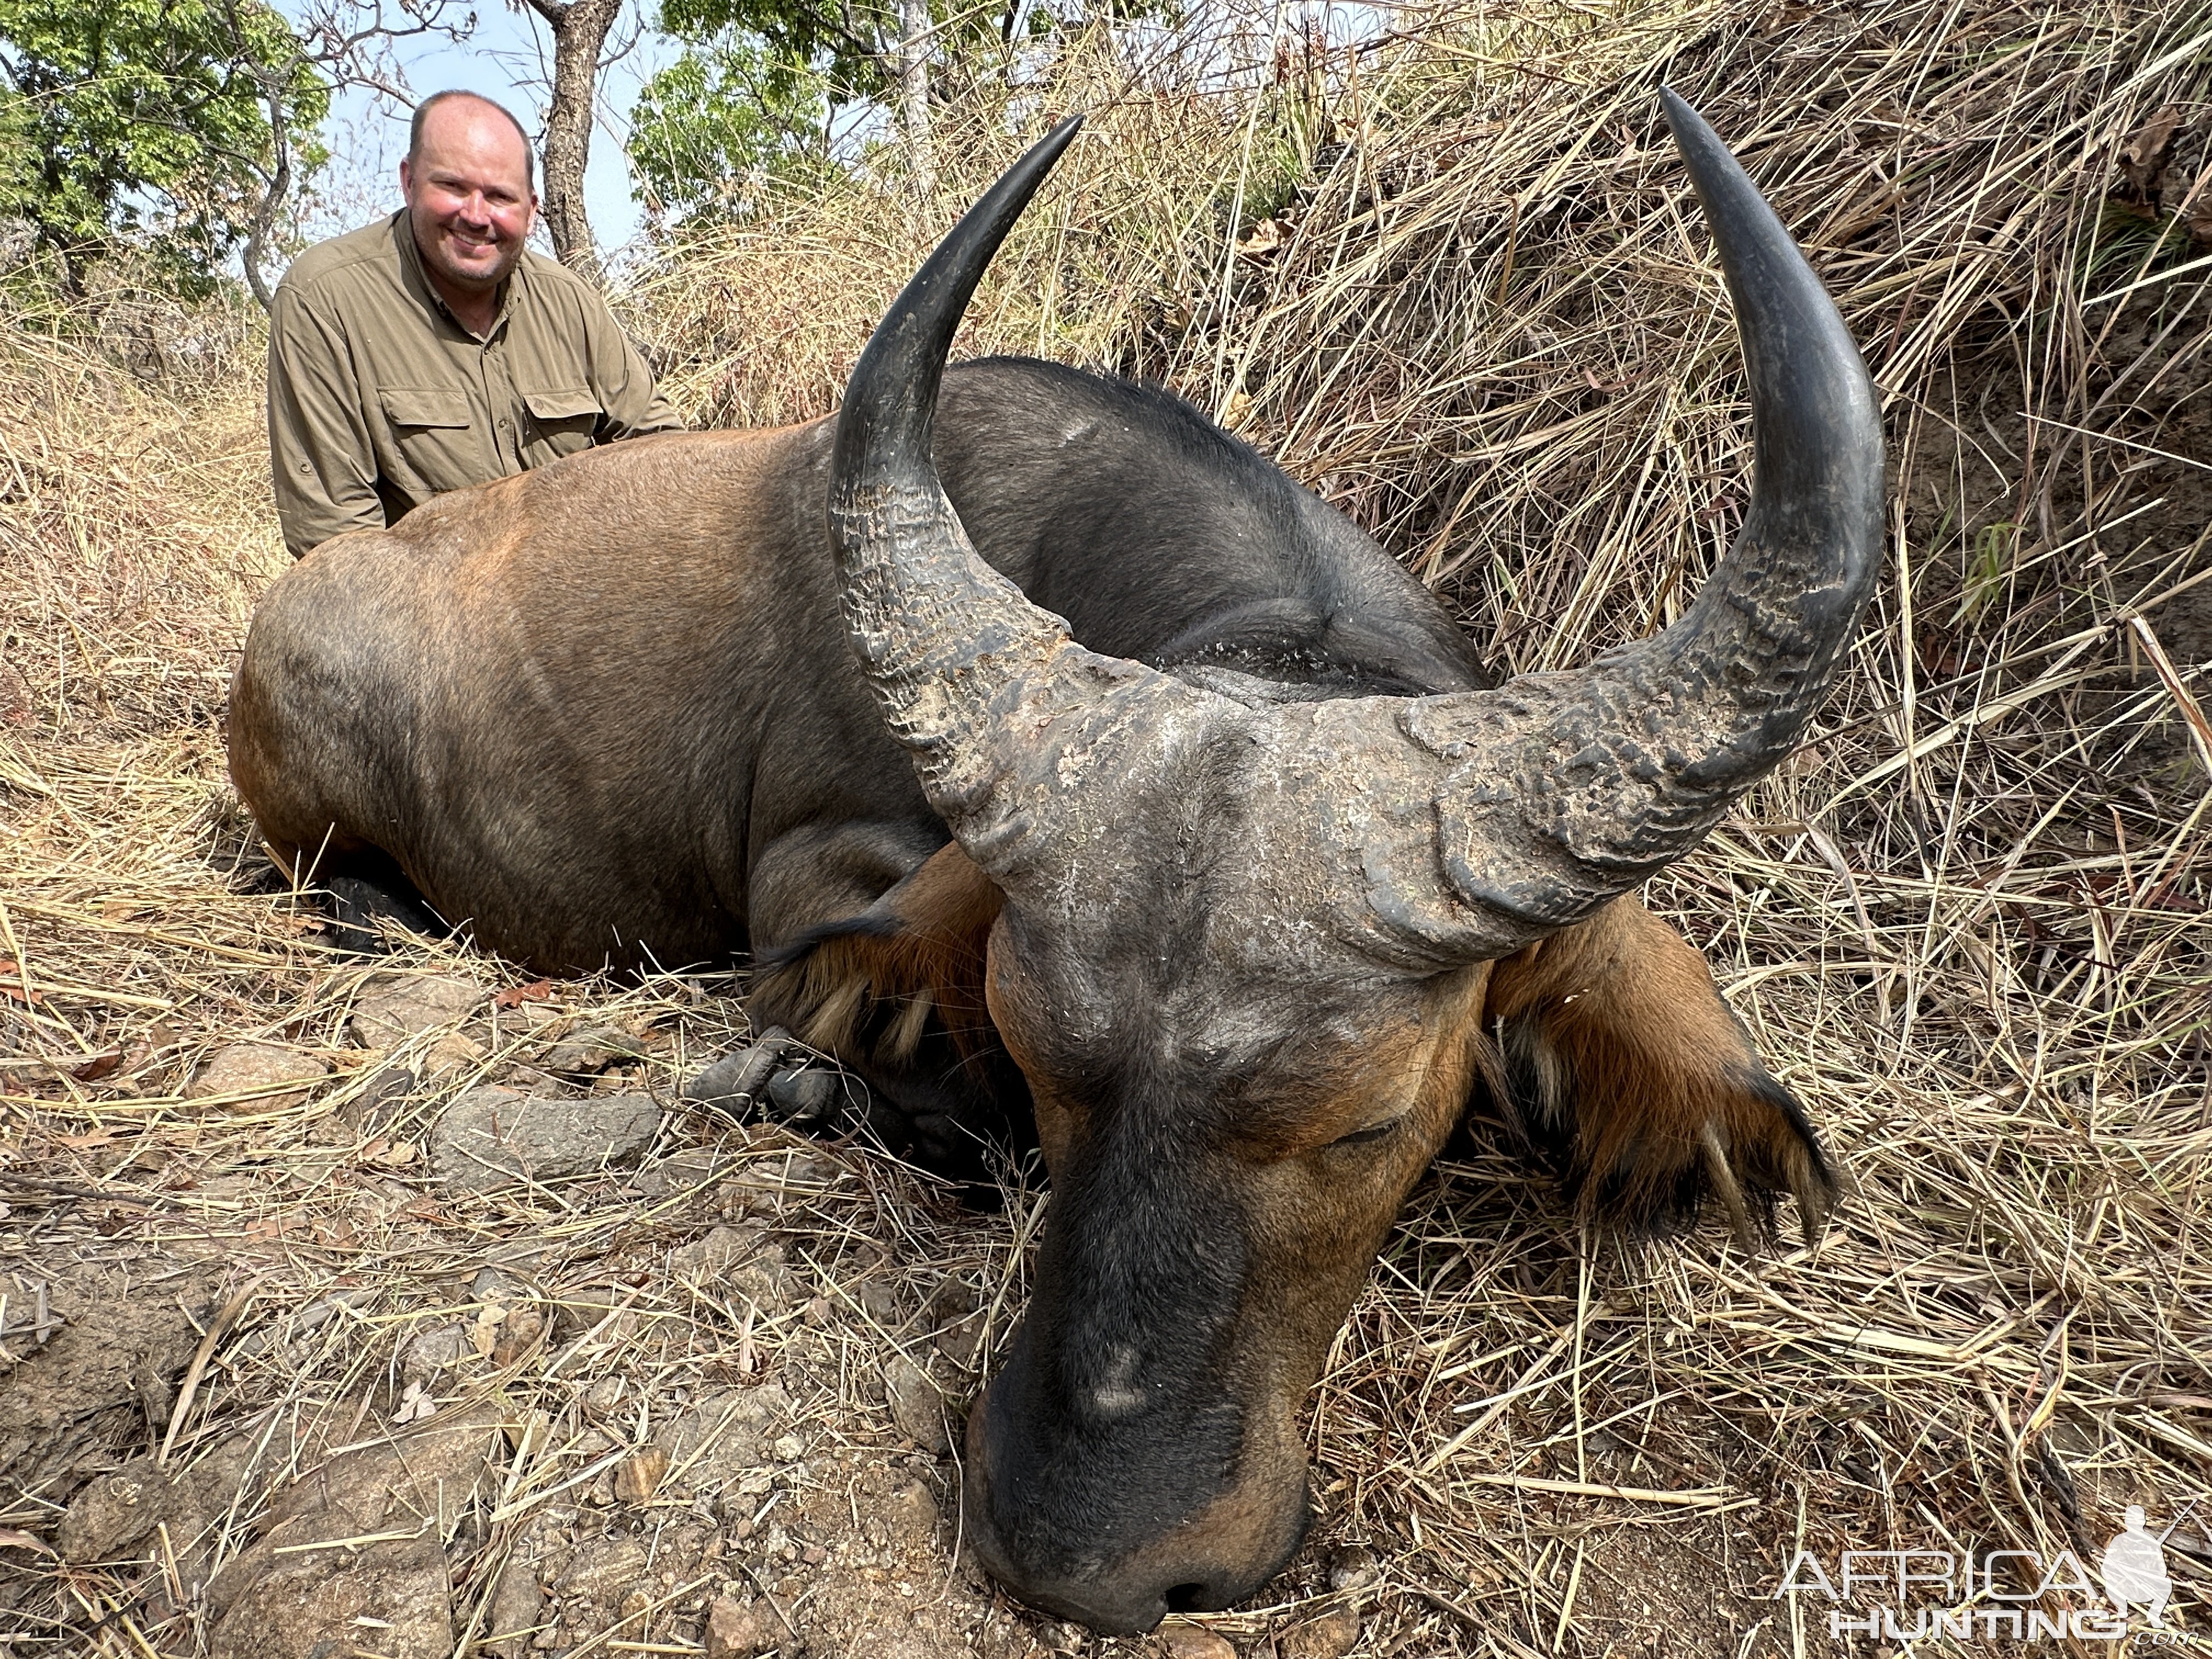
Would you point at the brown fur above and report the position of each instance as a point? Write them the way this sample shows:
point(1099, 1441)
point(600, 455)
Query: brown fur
point(1624, 1062)
point(870, 988)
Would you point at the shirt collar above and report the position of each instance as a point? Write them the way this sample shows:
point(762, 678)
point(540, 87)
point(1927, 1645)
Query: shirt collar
point(419, 281)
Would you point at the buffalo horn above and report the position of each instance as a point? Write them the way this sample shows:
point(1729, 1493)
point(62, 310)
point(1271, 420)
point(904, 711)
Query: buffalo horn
point(947, 642)
point(1565, 790)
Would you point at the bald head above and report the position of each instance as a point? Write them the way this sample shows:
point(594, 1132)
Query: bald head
point(470, 106)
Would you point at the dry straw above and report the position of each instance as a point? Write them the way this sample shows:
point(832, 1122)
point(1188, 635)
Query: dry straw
point(1454, 278)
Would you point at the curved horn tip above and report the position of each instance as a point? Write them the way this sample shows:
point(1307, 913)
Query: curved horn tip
point(890, 398)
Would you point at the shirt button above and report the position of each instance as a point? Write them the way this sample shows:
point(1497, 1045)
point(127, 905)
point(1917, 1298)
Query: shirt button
point(306, 466)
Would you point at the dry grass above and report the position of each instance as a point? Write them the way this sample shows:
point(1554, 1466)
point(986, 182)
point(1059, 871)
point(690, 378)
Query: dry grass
point(1968, 924)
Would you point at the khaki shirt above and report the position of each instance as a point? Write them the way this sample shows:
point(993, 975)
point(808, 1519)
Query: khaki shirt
point(378, 398)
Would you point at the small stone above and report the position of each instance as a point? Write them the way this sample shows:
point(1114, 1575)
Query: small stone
point(814, 1555)
point(1353, 1567)
point(255, 1072)
point(636, 1479)
point(367, 1110)
point(517, 1604)
point(1330, 1636)
point(962, 1342)
point(917, 1405)
point(1194, 1642)
point(519, 1331)
point(789, 1449)
point(492, 1137)
point(879, 1301)
point(400, 1006)
point(495, 1285)
point(438, 1349)
point(588, 1050)
point(721, 1249)
point(737, 1630)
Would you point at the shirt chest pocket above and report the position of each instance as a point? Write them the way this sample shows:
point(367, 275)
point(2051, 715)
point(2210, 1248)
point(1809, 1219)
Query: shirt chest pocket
point(563, 420)
point(431, 426)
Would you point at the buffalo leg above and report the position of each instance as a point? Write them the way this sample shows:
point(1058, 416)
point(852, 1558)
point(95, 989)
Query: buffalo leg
point(893, 987)
point(1627, 1073)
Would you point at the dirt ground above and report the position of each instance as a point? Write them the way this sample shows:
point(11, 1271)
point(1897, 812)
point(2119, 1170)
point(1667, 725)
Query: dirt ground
point(318, 1390)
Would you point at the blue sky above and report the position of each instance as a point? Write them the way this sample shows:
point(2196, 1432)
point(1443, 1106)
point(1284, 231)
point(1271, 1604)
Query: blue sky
point(510, 57)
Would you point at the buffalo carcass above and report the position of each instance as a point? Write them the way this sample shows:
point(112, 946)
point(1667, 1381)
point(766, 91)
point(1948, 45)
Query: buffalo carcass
point(1227, 898)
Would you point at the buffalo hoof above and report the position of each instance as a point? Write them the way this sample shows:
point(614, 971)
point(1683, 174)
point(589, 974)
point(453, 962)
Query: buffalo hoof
point(733, 1083)
point(807, 1100)
point(365, 914)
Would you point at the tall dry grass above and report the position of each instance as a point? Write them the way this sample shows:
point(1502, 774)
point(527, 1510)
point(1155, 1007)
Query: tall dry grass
point(1453, 278)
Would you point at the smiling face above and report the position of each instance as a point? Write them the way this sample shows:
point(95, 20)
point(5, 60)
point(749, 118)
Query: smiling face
point(469, 198)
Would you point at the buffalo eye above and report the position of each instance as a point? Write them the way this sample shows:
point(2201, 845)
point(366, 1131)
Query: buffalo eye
point(1373, 1132)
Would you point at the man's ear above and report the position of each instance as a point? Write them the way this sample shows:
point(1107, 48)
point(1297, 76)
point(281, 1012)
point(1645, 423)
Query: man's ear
point(407, 184)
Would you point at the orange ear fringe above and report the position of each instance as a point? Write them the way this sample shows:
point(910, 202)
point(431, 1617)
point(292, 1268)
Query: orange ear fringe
point(1626, 1068)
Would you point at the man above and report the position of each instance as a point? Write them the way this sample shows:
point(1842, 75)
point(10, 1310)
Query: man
point(430, 351)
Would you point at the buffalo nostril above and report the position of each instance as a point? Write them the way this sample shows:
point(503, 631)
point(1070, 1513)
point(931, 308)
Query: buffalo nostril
point(1188, 1598)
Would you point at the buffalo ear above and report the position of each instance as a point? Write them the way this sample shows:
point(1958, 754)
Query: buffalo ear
point(1627, 1074)
point(869, 987)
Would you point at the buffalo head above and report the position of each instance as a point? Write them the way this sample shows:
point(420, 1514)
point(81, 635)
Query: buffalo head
point(1244, 932)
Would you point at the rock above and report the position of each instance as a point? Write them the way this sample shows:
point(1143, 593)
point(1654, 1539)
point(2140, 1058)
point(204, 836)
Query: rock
point(303, 1604)
point(77, 1402)
point(962, 1342)
point(917, 1405)
point(1194, 1642)
point(738, 1630)
point(257, 1071)
point(910, 1505)
point(588, 1050)
point(368, 1110)
point(518, 1606)
point(879, 1301)
point(1353, 1567)
point(117, 1512)
point(681, 1172)
point(636, 1479)
point(275, 1599)
point(742, 1263)
point(492, 1137)
point(439, 1349)
point(721, 1438)
point(715, 1254)
point(604, 1571)
point(1330, 1636)
point(398, 1006)
point(496, 1284)
point(517, 1334)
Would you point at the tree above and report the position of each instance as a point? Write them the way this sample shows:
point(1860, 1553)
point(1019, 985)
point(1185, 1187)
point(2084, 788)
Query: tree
point(580, 31)
point(164, 119)
point(729, 116)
